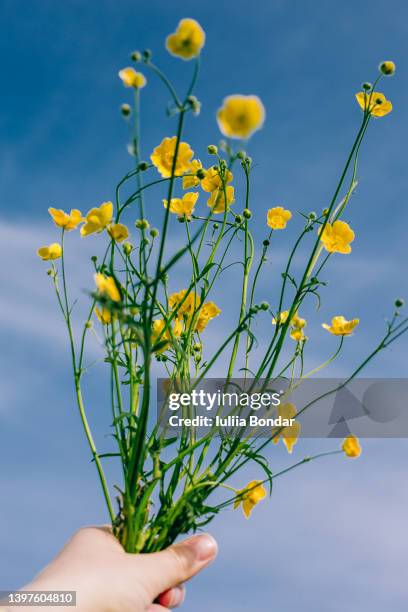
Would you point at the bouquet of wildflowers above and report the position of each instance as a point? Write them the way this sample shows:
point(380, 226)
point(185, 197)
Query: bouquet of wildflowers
point(168, 482)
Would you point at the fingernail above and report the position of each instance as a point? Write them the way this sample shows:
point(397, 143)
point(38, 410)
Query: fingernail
point(204, 546)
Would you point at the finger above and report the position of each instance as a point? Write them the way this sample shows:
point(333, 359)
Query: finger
point(156, 608)
point(172, 598)
point(178, 563)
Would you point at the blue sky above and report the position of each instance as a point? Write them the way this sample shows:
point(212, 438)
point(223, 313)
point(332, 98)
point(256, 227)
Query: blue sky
point(332, 536)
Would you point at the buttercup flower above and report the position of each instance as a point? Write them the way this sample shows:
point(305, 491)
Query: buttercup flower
point(351, 446)
point(187, 41)
point(289, 434)
point(104, 315)
point(98, 219)
point(336, 238)
point(183, 206)
point(187, 307)
point(163, 155)
point(297, 324)
point(217, 199)
point(192, 180)
point(208, 311)
point(250, 496)
point(68, 221)
point(106, 286)
point(340, 326)
point(159, 336)
point(278, 217)
point(52, 251)
point(240, 116)
point(131, 78)
point(118, 232)
point(375, 102)
point(213, 181)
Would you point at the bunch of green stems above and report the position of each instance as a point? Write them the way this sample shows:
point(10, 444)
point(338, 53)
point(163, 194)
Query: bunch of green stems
point(168, 482)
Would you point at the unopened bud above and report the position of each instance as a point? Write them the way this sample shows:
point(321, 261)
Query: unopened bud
point(241, 155)
point(366, 86)
point(125, 110)
point(399, 302)
point(142, 224)
point(143, 166)
point(387, 68)
point(195, 104)
point(212, 150)
point(88, 325)
point(94, 258)
point(147, 54)
point(238, 219)
point(136, 56)
point(154, 232)
point(247, 213)
point(264, 306)
point(127, 248)
point(197, 347)
point(312, 215)
point(266, 243)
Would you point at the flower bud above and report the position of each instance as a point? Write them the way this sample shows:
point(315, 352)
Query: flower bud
point(127, 248)
point(247, 213)
point(88, 325)
point(200, 173)
point(264, 306)
point(399, 302)
point(248, 160)
point(195, 104)
point(241, 155)
point(125, 110)
point(212, 150)
point(154, 232)
point(143, 166)
point(367, 86)
point(387, 68)
point(238, 219)
point(216, 226)
point(142, 224)
point(136, 56)
point(147, 54)
point(50, 272)
point(266, 243)
point(312, 215)
point(197, 347)
point(94, 258)
point(325, 211)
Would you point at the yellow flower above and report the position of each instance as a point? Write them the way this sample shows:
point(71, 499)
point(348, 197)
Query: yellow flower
point(375, 102)
point(118, 232)
point(106, 286)
point(187, 41)
point(52, 251)
point(183, 206)
point(163, 155)
point(351, 446)
point(104, 315)
point(250, 496)
point(340, 326)
point(336, 238)
point(217, 199)
point(213, 181)
point(192, 181)
point(289, 434)
point(98, 219)
point(185, 308)
point(208, 311)
point(67, 221)
point(297, 324)
point(159, 336)
point(240, 116)
point(278, 217)
point(131, 78)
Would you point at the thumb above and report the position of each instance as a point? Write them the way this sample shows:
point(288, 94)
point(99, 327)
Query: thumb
point(178, 563)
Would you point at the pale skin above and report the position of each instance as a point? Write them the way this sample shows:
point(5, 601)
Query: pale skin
point(107, 579)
